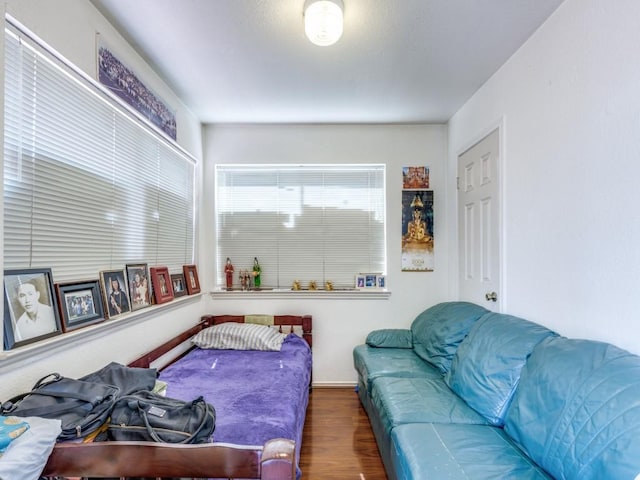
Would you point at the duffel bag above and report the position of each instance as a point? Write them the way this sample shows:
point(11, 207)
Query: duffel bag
point(148, 416)
point(81, 406)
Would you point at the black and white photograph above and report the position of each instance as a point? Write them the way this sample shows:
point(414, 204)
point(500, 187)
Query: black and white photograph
point(30, 307)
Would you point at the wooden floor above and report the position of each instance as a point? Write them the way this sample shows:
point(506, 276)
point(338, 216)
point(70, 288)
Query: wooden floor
point(337, 442)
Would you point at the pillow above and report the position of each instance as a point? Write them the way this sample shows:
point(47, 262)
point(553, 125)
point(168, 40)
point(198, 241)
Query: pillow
point(438, 331)
point(390, 338)
point(239, 336)
point(27, 455)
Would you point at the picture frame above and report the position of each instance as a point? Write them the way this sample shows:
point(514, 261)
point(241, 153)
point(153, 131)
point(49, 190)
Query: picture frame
point(140, 289)
point(30, 307)
point(371, 281)
point(80, 304)
point(162, 288)
point(112, 72)
point(115, 293)
point(179, 285)
point(191, 279)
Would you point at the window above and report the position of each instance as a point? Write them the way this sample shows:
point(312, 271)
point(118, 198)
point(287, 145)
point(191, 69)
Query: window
point(303, 222)
point(87, 185)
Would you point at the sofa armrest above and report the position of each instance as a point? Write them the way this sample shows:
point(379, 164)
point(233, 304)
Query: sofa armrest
point(390, 338)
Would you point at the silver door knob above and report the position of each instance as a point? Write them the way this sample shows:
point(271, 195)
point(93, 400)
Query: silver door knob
point(491, 297)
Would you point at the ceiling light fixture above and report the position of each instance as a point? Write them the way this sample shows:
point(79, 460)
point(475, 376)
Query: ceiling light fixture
point(323, 21)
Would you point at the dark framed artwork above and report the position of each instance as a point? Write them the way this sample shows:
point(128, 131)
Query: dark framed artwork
point(112, 73)
point(178, 283)
point(161, 280)
point(30, 307)
point(114, 291)
point(191, 278)
point(80, 304)
point(139, 285)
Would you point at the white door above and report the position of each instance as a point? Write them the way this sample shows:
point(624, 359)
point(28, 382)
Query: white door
point(479, 222)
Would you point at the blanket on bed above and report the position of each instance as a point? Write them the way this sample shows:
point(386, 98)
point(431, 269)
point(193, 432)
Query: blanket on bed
point(257, 395)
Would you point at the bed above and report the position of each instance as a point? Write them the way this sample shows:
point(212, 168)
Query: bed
point(260, 399)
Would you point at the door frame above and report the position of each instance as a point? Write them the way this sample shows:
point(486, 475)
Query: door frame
point(499, 125)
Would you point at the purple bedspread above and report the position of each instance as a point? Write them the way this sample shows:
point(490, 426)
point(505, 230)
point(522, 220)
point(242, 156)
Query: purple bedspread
point(257, 395)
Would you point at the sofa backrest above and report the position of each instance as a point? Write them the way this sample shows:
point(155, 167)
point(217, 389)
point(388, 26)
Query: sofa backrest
point(438, 331)
point(576, 411)
point(486, 367)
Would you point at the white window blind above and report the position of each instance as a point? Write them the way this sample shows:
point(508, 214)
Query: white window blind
point(87, 185)
point(307, 223)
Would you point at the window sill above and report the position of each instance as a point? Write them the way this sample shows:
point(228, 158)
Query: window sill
point(30, 351)
point(373, 294)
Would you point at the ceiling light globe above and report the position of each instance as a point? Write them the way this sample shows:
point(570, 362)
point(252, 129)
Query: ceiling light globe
point(323, 22)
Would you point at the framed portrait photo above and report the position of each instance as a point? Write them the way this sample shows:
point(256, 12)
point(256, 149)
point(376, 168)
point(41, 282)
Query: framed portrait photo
point(161, 280)
point(30, 307)
point(191, 278)
point(114, 291)
point(80, 304)
point(178, 283)
point(139, 285)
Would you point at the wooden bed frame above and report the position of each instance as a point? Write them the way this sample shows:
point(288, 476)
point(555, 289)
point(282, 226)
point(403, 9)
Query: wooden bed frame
point(273, 461)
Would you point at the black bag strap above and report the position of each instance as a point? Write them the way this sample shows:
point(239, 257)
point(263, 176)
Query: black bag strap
point(54, 377)
point(156, 437)
point(11, 404)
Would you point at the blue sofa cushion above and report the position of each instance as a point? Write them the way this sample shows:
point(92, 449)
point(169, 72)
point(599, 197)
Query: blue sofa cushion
point(390, 338)
point(438, 331)
point(458, 452)
point(398, 401)
point(576, 411)
point(420, 400)
point(486, 367)
point(372, 362)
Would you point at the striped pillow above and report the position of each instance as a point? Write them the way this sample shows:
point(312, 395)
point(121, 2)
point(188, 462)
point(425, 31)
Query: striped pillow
point(239, 336)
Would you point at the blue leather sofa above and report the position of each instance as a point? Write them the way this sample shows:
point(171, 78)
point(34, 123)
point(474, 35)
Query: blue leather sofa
point(470, 394)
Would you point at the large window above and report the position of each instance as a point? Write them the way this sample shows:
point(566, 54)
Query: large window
point(87, 185)
point(304, 222)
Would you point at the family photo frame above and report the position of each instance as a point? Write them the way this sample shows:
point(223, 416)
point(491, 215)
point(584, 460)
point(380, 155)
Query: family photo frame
point(30, 307)
point(191, 278)
point(139, 285)
point(162, 288)
point(179, 284)
point(80, 304)
point(371, 281)
point(115, 292)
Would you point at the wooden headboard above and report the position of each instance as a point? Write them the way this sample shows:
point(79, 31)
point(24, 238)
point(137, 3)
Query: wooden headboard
point(285, 324)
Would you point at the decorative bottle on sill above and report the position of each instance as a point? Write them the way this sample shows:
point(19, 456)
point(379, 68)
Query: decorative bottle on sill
point(257, 270)
point(228, 271)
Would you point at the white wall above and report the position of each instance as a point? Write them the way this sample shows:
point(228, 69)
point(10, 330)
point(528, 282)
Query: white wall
point(70, 27)
point(339, 325)
point(570, 98)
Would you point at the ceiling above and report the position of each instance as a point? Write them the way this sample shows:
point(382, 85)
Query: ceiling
point(398, 61)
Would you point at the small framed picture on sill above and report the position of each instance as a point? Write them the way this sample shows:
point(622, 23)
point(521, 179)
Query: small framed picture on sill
point(80, 304)
point(30, 307)
point(178, 283)
point(191, 278)
point(161, 281)
point(371, 281)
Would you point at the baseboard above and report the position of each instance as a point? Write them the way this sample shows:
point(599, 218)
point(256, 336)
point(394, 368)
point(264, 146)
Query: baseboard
point(333, 384)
